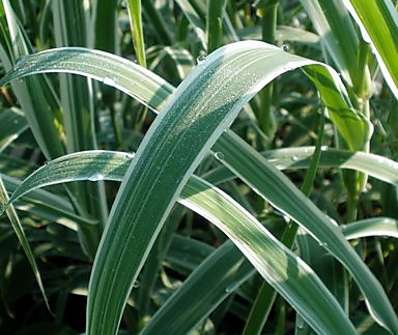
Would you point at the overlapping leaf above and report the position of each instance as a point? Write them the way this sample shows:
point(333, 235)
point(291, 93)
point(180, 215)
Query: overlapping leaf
point(107, 165)
point(378, 21)
point(329, 98)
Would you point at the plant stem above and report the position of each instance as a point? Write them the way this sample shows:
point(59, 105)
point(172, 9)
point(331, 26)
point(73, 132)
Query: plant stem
point(266, 295)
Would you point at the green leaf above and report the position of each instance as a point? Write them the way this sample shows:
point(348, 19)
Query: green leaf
point(155, 18)
point(337, 33)
point(150, 89)
point(378, 21)
point(211, 282)
point(35, 95)
point(46, 205)
point(194, 19)
point(282, 194)
point(186, 254)
point(107, 165)
point(375, 166)
point(112, 70)
point(214, 24)
point(97, 165)
point(335, 99)
point(23, 240)
point(265, 297)
point(77, 99)
point(371, 227)
point(104, 35)
point(12, 124)
point(134, 10)
point(275, 262)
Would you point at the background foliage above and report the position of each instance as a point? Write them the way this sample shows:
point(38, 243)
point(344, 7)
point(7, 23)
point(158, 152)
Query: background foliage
point(204, 235)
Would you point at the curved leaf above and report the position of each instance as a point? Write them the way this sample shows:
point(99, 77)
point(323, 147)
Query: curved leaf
point(375, 166)
point(152, 90)
point(371, 227)
point(277, 264)
point(382, 36)
point(97, 165)
point(112, 70)
point(22, 238)
point(282, 194)
point(345, 119)
point(108, 165)
point(12, 124)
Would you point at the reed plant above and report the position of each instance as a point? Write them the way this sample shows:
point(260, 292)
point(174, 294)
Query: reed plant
point(198, 167)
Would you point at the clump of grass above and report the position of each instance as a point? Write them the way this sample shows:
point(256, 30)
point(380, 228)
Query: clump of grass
point(195, 108)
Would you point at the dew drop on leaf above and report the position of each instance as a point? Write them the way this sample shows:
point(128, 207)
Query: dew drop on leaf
point(201, 58)
point(285, 47)
point(109, 81)
point(96, 177)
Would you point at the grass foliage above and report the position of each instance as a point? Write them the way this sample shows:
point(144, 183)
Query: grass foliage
point(198, 167)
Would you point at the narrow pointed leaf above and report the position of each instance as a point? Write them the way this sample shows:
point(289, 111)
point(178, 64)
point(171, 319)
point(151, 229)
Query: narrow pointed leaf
point(95, 165)
point(342, 114)
point(152, 90)
point(376, 166)
point(378, 21)
point(276, 188)
point(290, 276)
point(135, 16)
point(22, 238)
point(107, 165)
point(337, 32)
point(371, 227)
point(12, 124)
point(35, 95)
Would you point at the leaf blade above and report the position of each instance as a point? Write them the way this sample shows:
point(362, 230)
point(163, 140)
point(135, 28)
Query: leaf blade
point(381, 36)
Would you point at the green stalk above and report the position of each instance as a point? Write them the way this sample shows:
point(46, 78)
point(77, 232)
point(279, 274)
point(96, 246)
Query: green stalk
point(137, 33)
point(355, 181)
point(260, 310)
point(215, 10)
point(266, 117)
point(281, 319)
point(266, 295)
point(355, 186)
point(78, 106)
point(104, 25)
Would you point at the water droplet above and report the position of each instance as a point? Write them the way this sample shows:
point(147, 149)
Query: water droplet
point(109, 81)
point(229, 289)
point(128, 156)
point(323, 245)
point(201, 58)
point(295, 158)
point(219, 155)
point(20, 60)
point(96, 177)
point(285, 47)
